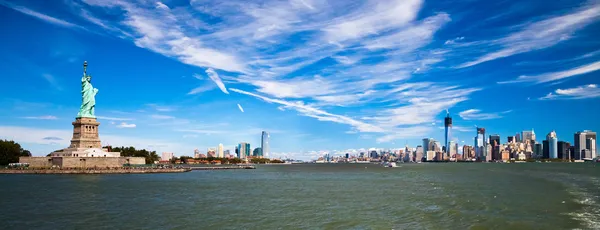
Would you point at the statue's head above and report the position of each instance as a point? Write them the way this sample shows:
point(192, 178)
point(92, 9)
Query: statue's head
point(88, 78)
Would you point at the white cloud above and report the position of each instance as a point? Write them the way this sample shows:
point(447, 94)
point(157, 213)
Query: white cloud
point(114, 118)
point(161, 108)
point(201, 89)
point(316, 113)
point(555, 76)
point(476, 114)
point(125, 125)
point(41, 16)
point(240, 107)
point(48, 117)
point(161, 117)
point(52, 81)
point(215, 77)
point(580, 92)
point(541, 34)
point(160, 5)
point(371, 19)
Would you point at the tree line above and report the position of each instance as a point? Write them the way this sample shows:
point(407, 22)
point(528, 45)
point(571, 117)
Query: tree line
point(10, 152)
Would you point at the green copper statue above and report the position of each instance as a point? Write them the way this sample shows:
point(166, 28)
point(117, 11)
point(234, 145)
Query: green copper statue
point(88, 95)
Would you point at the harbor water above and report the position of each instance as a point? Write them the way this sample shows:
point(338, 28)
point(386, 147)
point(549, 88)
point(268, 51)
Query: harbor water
point(313, 196)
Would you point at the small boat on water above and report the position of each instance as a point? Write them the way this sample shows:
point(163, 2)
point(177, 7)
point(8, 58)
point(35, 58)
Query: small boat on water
point(391, 165)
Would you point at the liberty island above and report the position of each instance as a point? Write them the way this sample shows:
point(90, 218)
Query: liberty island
point(85, 150)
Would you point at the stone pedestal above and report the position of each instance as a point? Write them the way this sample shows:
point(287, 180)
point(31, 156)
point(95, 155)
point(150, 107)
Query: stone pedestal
point(85, 133)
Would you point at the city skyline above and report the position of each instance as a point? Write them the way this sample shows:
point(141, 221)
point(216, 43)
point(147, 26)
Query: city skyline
point(311, 77)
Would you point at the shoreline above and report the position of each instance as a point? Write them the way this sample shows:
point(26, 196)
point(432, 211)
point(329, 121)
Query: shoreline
point(92, 171)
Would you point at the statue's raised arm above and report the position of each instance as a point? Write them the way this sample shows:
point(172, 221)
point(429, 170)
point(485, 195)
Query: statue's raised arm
point(88, 95)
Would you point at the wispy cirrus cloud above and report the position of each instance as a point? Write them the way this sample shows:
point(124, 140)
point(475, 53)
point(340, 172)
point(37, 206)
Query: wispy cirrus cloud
point(476, 114)
point(43, 17)
point(126, 125)
point(539, 35)
point(161, 108)
point(240, 107)
point(580, 92)
point(114, 118)
point(161, 117)
point(212, 74)
point(556, 76)
point(47, 117)
point(52, 81)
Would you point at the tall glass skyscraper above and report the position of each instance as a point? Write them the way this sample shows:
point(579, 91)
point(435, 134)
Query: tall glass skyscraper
point(448, 126)
point(264, 144)
point(552, 145)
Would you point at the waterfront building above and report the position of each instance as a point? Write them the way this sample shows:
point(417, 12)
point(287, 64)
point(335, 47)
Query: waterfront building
point(495, 147)
point(166, 156)
point(590, 144)
point(448, 129)
point(504, 155)
point(196, 153)
point(437, 147)
point(545, 149)
point(257, 152)
point(430, 156)
point(226, 152)
point(581, 142)
point(211, 152)
point(480, 144)
point(220, 153)
point(552, 145)
point(468, 152)
point(538, 150)
point(244, 150)
point(510, 139)
point(264, 144)
point(563, 150)
point(518, 138)
point(453, 149)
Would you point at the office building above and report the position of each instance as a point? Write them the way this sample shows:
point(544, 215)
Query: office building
point(590, 144)
point(211, 152)
point(427, 144)
point(468, 152)
point(538, 150)
point(257, 152)
point(220, 153)
point(552, 145)
point(448, 129)
point(419, 154)
point(545, 149)
point(563, 150)
point(495, 147)
point(196, 153)
point(264, 144)
point(166, 156)
point(518, 138)
point(581, 143)
point(244, 150)
point(453, 150)
point(480, 144)
point(510, 139)
point(528, 136)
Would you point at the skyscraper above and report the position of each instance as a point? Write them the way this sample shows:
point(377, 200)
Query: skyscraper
point(257, 152)
point(426, 144)
point(518, 138)
point(580, 144)
point(481, 144)
point(545, 149)
point(495, 144)
point(244, 150)
point(220, 151)
point(529, 136)
point(510, 139)
point(552, 145)
point(563, 150)
point(538, 150)
point(452, 151)
point(264, 144)
point(590, 144)
point(448, 128)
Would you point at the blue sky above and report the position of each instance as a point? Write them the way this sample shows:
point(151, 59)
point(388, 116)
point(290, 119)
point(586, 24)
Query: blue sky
point(320, 76)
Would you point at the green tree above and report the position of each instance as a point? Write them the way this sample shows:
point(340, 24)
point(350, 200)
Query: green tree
point(10, 152)
point(132, 152)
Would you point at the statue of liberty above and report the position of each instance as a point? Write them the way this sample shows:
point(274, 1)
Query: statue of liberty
point(88, 95)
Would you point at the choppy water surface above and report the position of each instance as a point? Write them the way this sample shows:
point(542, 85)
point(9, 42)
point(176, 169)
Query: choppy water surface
point(343, 196)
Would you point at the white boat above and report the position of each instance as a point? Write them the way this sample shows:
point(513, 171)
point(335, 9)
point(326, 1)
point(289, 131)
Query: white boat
point(391, 165)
